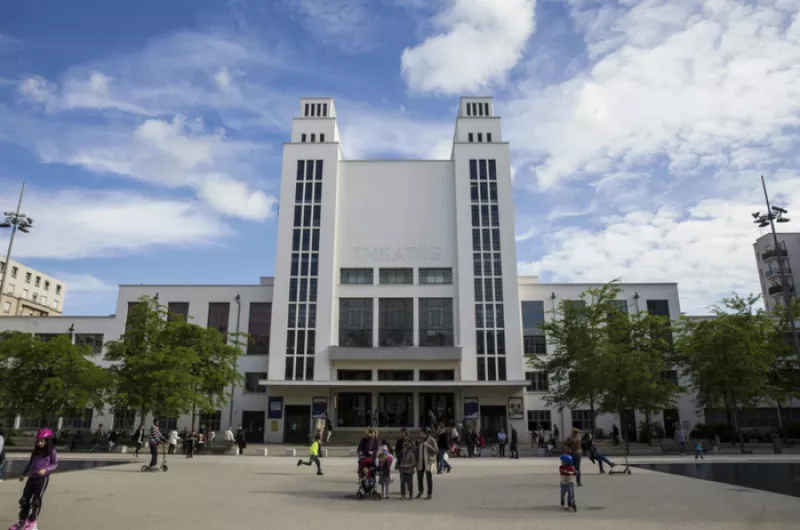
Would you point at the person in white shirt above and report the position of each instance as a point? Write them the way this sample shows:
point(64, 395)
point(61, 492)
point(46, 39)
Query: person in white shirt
point(212, 435)
point(173, 440)
point(229, 439)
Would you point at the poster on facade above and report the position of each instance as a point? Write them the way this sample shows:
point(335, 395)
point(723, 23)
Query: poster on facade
point(275, 408)
point(515, 411)
point(319, 406)
point(471, 408)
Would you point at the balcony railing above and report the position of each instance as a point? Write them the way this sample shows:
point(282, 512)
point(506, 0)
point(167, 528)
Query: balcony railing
point(776, 289)
point(772, 253)
point(771, 273)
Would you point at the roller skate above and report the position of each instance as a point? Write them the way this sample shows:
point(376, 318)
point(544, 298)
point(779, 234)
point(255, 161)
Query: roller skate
point(30, 525)
point(19, 525)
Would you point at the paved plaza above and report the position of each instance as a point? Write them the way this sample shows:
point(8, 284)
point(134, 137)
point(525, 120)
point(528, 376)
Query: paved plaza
point(251, 493)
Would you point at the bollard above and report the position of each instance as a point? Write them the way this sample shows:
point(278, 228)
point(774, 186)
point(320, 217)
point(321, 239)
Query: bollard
point(266, 452)
point(123, 449)
point(237, 452)
point(776, 444)
point(353, 452)
point(323, 453)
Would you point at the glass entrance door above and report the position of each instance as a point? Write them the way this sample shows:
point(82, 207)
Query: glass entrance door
point(442, 405)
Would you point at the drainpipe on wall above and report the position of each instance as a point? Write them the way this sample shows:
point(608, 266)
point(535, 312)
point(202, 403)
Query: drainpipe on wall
point(233, 386)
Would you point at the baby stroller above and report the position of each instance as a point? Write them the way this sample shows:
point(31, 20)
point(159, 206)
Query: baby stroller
point(367, 484)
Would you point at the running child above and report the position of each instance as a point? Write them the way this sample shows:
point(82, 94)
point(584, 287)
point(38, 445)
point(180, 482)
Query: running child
point(42, 463)
point(313, 454)
point(567, 472)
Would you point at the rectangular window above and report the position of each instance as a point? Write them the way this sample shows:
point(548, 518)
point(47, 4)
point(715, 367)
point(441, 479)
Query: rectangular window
point(46, 285)
point(306, 110)
point(481, 368)
point(395, 410)
point(436, 322)
point(539, 419)
point(658, 307)
point(38, 281)
point(251, 380)
point(395, 375)
point(470, 137)
point(218, 316)
point(131, 315)
point(177, 310)
point(318, 173)
point(437, 375)
point(537, 381)
point(300, 169)
point(212, 420)
point(396, 322)
point(469, 109)
point(489, 137)
point(435, 276)
point(124, 420)
point(322, 137)
point(354, 375)
point(84, 421)
point(355, 322)
point(7, 307)
point(493, 192)
point(258, 327)
point(480, 137)
point(532, 316)
point(93, 340)
point(582, 419)
point(58, 289)
point(671, 376)
point(14, 271)
point(313, 137)
point(404, 276)
point(533, 344)
point(27, 277)
point(354, 409)
point(324, 109)
point(303, 137)
point(473, 169)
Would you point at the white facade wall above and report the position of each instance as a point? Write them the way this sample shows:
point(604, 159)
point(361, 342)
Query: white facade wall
point(636, 295)
point(769, 268)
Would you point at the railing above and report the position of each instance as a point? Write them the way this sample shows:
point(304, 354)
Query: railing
point(772, 253)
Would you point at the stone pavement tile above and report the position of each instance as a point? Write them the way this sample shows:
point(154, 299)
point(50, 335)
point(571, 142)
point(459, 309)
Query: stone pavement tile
point(253, 493)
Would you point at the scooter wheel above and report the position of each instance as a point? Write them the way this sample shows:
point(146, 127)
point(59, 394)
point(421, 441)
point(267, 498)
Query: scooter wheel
point(145, 468)
point(165, 468)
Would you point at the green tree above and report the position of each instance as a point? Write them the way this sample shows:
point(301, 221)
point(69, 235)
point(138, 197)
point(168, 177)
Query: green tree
point(167, 366)
point(48, 379)
point(729, 358)
point(576, 331)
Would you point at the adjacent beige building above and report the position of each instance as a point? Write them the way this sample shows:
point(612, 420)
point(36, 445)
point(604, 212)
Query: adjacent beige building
point(29, 292)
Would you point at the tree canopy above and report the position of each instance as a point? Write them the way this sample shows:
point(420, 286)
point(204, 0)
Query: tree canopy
point(48, 378)
point(167, 366)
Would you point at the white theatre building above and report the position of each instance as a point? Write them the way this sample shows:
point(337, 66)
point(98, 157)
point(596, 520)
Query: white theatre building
point(395, 294)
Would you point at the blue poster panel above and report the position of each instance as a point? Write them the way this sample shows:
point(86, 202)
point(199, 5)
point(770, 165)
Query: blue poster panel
point(319, 406)
point(471, 408)
point(275, 408)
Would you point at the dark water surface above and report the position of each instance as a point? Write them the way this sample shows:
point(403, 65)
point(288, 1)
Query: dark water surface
point(14, 467)
point(774, 477)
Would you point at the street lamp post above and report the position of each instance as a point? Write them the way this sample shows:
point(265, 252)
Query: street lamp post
point(15, 221)
point(774, 215)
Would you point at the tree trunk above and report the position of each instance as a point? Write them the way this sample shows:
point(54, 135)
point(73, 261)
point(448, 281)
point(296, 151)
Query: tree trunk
point(780, 417)
point(728, 414)
point(143, 415)
point(591, 412)
point(739, 436)
point(648, 428)
point(194, 415)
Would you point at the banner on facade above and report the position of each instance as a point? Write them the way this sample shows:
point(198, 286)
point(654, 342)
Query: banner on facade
point(471, 408)
point(275, 408)
point(319, 407)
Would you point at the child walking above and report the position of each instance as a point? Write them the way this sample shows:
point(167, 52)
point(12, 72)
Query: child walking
point(567, 472)
point(698, 451)
point(313, 455)
point(385, 473)
point(43, 461)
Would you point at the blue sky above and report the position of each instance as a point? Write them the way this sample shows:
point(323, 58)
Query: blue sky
point(150, 133)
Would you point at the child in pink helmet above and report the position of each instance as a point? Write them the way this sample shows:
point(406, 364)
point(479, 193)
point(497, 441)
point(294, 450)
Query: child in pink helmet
point(43, 461)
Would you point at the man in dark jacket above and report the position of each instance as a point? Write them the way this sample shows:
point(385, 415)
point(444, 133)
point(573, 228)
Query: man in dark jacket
point(443, 443)
point(514, 446)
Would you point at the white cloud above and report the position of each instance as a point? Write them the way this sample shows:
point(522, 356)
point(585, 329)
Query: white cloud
point(76, 224)
point(175, 154)
point(348, 24)
point(686, 80)
point(83, 283)
point(528, 234)
point(477, 44)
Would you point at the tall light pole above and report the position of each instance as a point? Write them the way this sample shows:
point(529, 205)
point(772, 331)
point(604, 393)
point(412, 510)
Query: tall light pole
point(15, 221)
point(776, 214)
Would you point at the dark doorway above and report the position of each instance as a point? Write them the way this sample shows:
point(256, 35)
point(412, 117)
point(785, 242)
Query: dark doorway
point(493, 418)
point(442, 405)
point(297, 424)
point(671, 421)
point(253, 425)
point(629, 426)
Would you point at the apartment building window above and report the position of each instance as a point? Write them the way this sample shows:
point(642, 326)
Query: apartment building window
point(303, 137)
point(306, 111)
point(396, 322)
point(14, 271)
point(671, 376)
point(437, 375)
point(582, 419)
point(539, 419)
point(354, 375)
point(219, 316)
point(7, 307)
point(313, 137)
point(258, 327)
point(619, 305)
point(355, 322)
point(322, 138)
point(434, 276)
point(480, 137)
point(46, 285)
point(124, 420)
point(489, 137)
point(35, 297)
point(395, 375)
point(177, 311)
point(537, 381)
point(28, 277)
point(658, 307)
point(325, 109)
point(356, 276)
point(471, 137)
point(84, 421)
point(212, 420)
point(397, 276)
point(38, 282)
point(533, 337)
point(251, 380)
point(435, 321)
point(58, 289)
point(93, 340)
